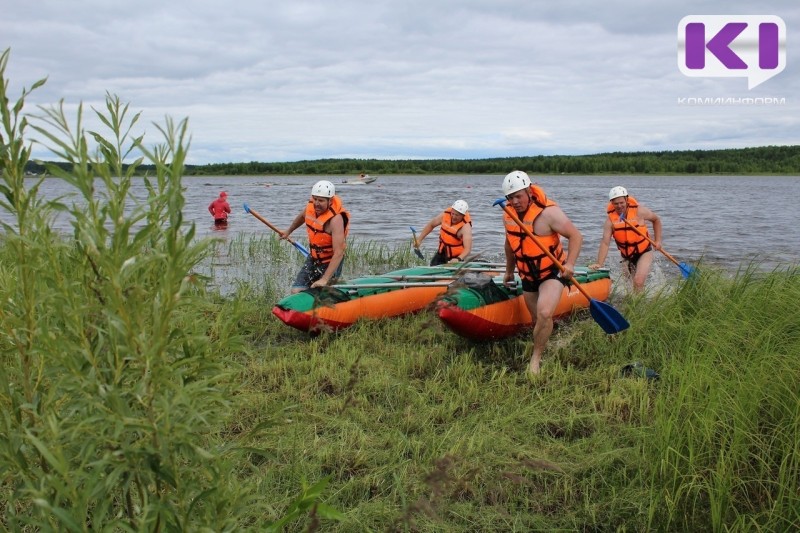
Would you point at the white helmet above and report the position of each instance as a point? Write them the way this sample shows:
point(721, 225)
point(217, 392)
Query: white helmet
point(616, 192)
point(515, 181)
point(461, 206)
point(323, 189)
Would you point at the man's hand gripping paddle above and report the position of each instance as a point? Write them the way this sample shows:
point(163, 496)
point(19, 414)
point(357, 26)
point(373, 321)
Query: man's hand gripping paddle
point(416, 248)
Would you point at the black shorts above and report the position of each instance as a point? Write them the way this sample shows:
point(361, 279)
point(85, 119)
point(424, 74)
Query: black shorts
point(438, 259)
point(631, 261)
point(220, 221)
point(533, 285)
point(312, 271)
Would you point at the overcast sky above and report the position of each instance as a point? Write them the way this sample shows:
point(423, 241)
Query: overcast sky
point(287, 80)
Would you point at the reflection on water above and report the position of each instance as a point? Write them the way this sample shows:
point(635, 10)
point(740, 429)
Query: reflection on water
point(717, 218)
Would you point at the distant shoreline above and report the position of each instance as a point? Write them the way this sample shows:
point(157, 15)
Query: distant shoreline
point(620, 174)
point(758, 161)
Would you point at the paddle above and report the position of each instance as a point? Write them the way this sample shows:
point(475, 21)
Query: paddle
point(604, 314)
point(457, 269)
point(432, 276)
point(391, 285)
point(416, 248)
point(474, 265)
point(350, 287)
point(296, 244)
point(421, 277)
point(471, 258)
point(686, 270)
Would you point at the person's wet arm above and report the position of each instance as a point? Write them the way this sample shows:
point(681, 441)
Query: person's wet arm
point(298, 220)
point(602, 251)
point(560, 223)
point(466, 239)
point(657, 229)
point(508, 277)
point(435, 221)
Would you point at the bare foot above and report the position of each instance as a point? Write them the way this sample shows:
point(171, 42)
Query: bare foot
point(535, 367)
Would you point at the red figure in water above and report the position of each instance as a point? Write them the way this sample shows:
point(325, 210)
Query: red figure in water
point(219, 209)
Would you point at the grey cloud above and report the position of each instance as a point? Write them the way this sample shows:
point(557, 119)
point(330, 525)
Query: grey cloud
point(292, 80)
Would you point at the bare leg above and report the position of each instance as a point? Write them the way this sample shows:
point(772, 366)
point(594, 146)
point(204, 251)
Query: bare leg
point(542, 305)
point(627, 270)
point(642, 270)
point(531, 300)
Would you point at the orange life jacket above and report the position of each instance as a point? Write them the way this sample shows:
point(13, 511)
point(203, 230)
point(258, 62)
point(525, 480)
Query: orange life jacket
point(450, 244)
point(532, 263)
point(319, 242)
point(630, 243)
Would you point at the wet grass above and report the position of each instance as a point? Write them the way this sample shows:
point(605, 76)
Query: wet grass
point(419, 429)
point(263, 263)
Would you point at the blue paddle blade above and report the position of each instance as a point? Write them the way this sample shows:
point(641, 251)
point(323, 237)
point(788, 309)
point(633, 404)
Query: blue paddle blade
point(246, 208)
point(686, 270)
point(301, 248)
point(416, 250)
point(607, 317)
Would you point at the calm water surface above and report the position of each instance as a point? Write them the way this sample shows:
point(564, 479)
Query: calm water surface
point(723, 220)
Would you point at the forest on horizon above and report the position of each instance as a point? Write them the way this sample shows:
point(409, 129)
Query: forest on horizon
point(768, 160)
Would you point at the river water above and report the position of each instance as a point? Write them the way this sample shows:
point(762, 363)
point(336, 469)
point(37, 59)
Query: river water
point(723, 220)
point(727, 221)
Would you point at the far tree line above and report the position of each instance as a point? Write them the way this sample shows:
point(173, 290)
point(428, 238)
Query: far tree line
point(737, 161)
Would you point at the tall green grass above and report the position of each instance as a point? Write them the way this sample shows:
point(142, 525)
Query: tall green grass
point(421, 430)
point(726, 441)
point(136, 393)
point(117, 368)
point(263, 264)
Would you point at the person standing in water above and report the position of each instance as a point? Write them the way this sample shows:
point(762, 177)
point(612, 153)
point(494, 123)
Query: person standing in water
point(220, 209)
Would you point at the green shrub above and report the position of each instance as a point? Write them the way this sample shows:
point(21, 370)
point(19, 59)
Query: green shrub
point(115, 364)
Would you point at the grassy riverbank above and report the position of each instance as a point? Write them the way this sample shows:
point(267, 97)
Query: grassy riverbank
point(415, 428)
point(136, 395)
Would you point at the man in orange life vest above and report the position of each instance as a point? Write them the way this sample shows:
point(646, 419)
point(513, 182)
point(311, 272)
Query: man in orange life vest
point(541, 284)
point(327, 223)
point(636, 251)
point(219, 209)
point(455, 235)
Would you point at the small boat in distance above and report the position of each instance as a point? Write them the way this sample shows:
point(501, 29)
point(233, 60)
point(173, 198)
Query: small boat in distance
point(362, 179)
